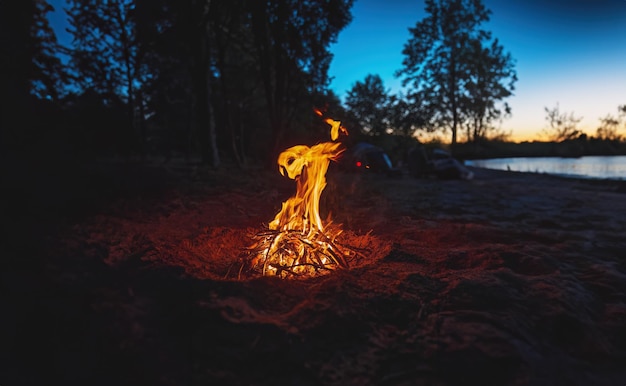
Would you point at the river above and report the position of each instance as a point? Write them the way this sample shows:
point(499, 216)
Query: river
point(602, 167)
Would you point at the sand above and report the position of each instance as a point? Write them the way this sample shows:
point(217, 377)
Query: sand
point(506, 279)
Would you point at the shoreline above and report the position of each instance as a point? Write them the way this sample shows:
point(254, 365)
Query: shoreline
point(617, 185)
point(546, 165)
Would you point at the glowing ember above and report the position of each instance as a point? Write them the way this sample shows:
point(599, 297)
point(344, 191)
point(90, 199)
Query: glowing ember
point(297, 242)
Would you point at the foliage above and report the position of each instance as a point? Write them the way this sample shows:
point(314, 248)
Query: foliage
point(290, 48)
point(492, 79)
point(450, 65)
point(48, 76)
point(562, 126)
point(106, 56)
point(368, 101)
point(610, 125)
point(608, 129)
point(107, 59)
point(202, 76)
point(31, 77)
point(570, 148)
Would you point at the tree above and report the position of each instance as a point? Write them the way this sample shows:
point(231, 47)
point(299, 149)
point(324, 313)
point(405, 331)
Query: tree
point(368, 101)
point(48, 75)
point(238, 83)
point(610, 125)
point(562, 126)
point(450, 65)
point(174, 95)
point(107, 57)
point(211, 75)
point(261, 62)
point(31, 75)
point(608, 128)
point(409, 113)
point(15, 75)
point(291, 39)
point(202, 79)
point(492, 79)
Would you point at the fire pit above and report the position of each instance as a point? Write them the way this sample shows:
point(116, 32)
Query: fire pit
point(297, 243)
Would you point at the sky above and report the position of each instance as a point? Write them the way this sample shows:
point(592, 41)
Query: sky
point(570, 52)
point(58, 22)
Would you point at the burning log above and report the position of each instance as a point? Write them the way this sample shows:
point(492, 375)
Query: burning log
point(297, 243)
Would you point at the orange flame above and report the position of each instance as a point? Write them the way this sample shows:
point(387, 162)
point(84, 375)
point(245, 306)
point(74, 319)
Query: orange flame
point(335, 126)
point(308, 166)
point(302, 244)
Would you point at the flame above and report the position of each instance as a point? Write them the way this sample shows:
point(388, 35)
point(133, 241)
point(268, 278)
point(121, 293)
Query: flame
point(308, 166)
point(298, 242)
point(335, 126)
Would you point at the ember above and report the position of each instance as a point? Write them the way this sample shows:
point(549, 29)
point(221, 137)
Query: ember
point(297, 242)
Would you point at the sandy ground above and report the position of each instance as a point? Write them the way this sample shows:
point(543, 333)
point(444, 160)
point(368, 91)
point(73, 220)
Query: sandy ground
point(506, 279)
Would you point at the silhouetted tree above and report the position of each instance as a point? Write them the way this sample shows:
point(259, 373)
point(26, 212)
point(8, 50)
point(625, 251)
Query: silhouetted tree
point(621, 116)
point(106, 56)
point(31, 74)
point(399, 112)
point(214, 75)
point(491, 80)
point(368, 101)
point(48, 74)
point(257, 64)
point(610, 125)
point(448, 61)
point(16, 22)
point(291, 49)
point(202, 79)
point(608, 129)
point(165, 28)
point(406, 116)
point(562, 126)
point(238, 84)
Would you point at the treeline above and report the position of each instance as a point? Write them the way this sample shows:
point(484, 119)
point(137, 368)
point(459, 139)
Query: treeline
point(578, 147)
point(238, 79)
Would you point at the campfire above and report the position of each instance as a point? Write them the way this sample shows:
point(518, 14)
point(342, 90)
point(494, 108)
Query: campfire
point(297, 243)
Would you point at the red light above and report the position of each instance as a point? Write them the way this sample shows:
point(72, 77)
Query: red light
point(358, 163)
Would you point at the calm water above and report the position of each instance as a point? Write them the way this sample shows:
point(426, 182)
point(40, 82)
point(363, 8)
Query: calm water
point(613, 167)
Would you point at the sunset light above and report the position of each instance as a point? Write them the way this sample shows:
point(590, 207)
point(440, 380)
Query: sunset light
point(571, 53)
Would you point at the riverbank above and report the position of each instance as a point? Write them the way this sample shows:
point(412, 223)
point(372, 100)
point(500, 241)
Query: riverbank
point(588, 167)
point(509, 278)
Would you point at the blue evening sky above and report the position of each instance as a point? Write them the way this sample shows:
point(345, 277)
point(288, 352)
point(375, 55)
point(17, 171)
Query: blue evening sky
point(571, 52)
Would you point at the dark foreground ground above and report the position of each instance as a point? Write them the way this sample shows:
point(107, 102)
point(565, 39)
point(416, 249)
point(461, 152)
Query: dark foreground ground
point(123, 275)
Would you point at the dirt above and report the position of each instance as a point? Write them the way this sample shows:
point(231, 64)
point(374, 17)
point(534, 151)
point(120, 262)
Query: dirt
point(508, 279)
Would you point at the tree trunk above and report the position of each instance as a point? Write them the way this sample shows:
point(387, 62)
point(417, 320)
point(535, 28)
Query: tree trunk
point(455, 120)
point(238, 151)
point(453, 90)
point(215, 156)
point(15, 72)
point(273, 77)
point(205, 121)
